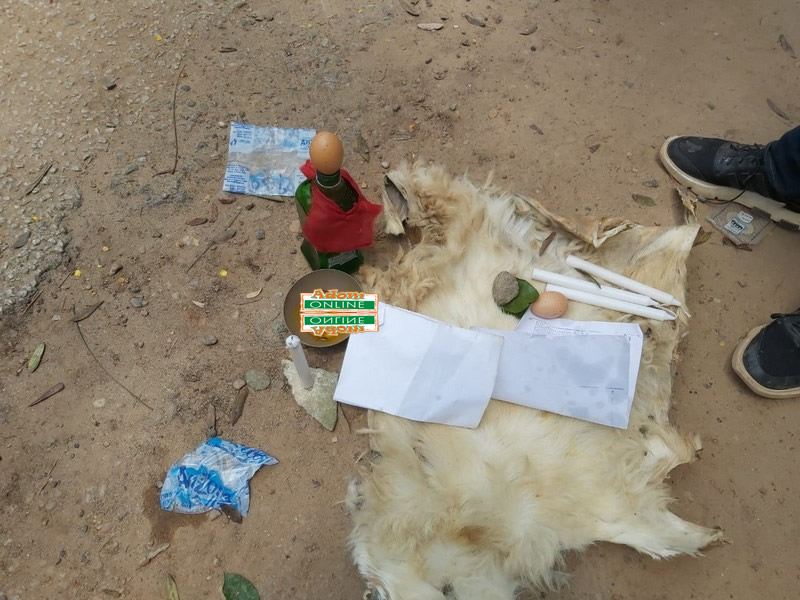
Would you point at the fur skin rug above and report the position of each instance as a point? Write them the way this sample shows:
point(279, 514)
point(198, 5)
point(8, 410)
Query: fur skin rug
point(444, 513)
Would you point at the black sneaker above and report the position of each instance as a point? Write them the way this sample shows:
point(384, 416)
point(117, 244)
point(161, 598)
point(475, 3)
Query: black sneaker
point(768, 359)
point(717, 169)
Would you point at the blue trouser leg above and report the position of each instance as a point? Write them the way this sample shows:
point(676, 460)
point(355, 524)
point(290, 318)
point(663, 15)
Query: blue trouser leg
point(782, 164)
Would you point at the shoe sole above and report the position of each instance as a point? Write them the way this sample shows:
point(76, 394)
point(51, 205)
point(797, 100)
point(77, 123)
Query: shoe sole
point(767, 207)
point(737, 361)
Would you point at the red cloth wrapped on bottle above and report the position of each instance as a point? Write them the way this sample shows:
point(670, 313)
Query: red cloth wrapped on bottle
point(330, 229)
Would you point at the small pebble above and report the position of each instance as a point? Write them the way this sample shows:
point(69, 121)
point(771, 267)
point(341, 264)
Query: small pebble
point(396, 107)
point(22, 239)
point(115, 269)
point(131, 169)
point(385, 164)
point(466, 42)
point(260, 234)
point(239, 384)
point(428, 60)
point(137, 302)
point(651, 183)
point(257, 380)
point(453, 106)
point(209, 340)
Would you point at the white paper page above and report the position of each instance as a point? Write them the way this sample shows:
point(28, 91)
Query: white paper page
point(583, 377)
point(559, 327)
point(420, 369)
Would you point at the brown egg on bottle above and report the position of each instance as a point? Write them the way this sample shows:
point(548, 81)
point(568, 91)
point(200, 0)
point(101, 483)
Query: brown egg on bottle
point(326, 152)
point(550, 305)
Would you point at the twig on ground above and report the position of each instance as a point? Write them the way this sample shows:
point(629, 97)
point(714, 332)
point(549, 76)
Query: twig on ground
point(32, 301)
point(171, 347)
point(114, 379)
point(50, 472)
point(346, 419)
point(211, 243)
point(174, 123)
point(36, 183)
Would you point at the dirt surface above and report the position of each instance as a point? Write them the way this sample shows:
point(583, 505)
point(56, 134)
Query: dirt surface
point(572, 114)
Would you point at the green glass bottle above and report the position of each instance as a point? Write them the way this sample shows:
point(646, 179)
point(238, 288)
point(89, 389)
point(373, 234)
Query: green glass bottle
point(327, 152)
point(349, 261)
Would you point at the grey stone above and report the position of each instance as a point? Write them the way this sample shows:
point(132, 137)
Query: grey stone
point(453, 106)
point(209, 340)
point(131, 169)
point(239, 384)
point(260, 234)
point(137, 302)
point(385, 164)
point(115, 269)
point(292, 250)
point(257, 380)
point(186, 87)
point(466, 42)
point(505, 288)
point(651, 183)
point(317, 401)
point(133, 288)
point(22, 239)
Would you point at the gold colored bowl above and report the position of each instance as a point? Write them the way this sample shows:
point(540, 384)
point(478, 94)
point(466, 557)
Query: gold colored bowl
point(324, 279)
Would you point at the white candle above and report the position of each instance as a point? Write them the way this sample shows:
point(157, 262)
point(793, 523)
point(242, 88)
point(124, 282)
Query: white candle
point(299, 359)
point(622, 281)
point(612, 303)
point(587, 286)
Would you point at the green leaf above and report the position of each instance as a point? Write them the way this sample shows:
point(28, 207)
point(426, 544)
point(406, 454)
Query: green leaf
point(172, 589)
point(527, 295)
point(236, 587)
point(36, 358)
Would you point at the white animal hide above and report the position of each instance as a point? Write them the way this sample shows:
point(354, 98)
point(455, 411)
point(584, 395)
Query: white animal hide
point(443, 512)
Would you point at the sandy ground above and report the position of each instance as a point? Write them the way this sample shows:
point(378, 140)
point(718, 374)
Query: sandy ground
point(572, 114)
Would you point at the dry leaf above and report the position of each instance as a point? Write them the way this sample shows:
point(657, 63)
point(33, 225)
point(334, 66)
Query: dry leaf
point(787, 47)
point(408, 8)
point(86, 313)
point(546, 243)
point(224, 236)
point(36, 358)
point(776, 109)
point(156, 551)
point(254, 294)
point(643, 200)
point(238, 405)
point(51, 392)
point(200, 304)
point(197, 221)
point(474, 21)
point(702, 237)
point(213, 214)
point(362, 148)
point(729, 242)
point(430, 26)
point(689, 201)
point(172, 588)
point(529, 30)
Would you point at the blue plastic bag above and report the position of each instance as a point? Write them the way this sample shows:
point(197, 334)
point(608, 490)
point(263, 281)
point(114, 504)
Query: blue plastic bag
point(216, 473)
